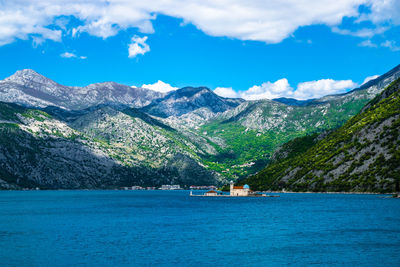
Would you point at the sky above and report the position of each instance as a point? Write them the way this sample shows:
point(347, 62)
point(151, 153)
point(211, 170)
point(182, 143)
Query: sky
point(254, 49)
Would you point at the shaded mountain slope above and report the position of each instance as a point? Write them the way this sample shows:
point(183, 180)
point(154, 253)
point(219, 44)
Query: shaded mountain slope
point(292, 101)
point(188, 99)
point(103, 148)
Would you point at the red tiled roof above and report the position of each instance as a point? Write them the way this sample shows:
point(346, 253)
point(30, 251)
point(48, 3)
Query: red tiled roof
point(238, 187)
point(212, 191)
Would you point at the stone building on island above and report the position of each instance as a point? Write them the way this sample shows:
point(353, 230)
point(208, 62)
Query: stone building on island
point(240, 191)
point(235, 191)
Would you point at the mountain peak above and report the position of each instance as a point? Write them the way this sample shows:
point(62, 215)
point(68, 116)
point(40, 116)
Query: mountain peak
point(188, 99)
point(26, 71)
point(28, 75)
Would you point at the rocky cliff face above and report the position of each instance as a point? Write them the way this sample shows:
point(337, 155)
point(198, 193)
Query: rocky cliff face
point(103, 148)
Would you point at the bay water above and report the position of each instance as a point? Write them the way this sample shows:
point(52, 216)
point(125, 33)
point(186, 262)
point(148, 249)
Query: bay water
point(170, 228)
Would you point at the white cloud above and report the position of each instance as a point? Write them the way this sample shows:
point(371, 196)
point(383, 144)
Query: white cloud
point(138, 46)
point(268, 90)
point(363, 33)
point(367, 43)
point(268, 21)
point(391, 45)
point(370, 78)
point(71, 55)
point(384, 11)
point(282, 88)
point(226, 92)
point(68, 55)
point(316, 89)
point(160, 86)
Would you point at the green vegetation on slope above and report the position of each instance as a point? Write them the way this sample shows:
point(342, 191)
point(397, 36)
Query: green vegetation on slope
point(247, 151)
point(251, 137)
point(362, 155)
point(9, 111)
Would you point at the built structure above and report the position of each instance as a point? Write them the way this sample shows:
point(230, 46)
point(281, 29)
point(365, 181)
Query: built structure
point(211, 193)
point(235, 191)
point(240, 191)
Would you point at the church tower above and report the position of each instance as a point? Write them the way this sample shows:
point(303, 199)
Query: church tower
point(231, 188)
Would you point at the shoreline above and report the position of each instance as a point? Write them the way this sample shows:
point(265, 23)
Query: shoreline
point(263, 192)
point(342, 193)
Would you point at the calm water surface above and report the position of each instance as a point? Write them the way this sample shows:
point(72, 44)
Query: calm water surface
point(164, 228)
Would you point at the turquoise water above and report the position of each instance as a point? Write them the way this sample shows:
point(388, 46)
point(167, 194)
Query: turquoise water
point(163, 228)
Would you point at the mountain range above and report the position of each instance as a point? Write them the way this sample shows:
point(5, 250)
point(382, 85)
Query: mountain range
point(27, 87)
point(108, 135)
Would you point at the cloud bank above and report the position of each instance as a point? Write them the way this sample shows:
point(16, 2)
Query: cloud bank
point(282, 88)
point(268, 21)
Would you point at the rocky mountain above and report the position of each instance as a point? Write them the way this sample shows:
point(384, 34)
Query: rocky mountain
point(188, 136)
point(29, 88)
point(188, 99)
point(247, 135)
point(362, 155)
point(101, 148)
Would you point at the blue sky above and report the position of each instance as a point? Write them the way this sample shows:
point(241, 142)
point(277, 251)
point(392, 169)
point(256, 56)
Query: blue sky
point(243, 48)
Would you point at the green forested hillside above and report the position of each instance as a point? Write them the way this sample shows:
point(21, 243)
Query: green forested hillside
point(362, 155)
point(247, 136)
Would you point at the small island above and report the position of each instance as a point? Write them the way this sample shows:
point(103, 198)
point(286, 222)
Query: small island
point(235, 191)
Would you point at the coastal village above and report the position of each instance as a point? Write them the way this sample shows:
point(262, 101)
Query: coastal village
point(170, 187)
point(163, 187)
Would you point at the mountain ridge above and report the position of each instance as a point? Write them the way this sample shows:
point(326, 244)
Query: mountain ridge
point(188, 99)
point(27, 87)
point(248, 134)
point(362, 155)
point(175, 133)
